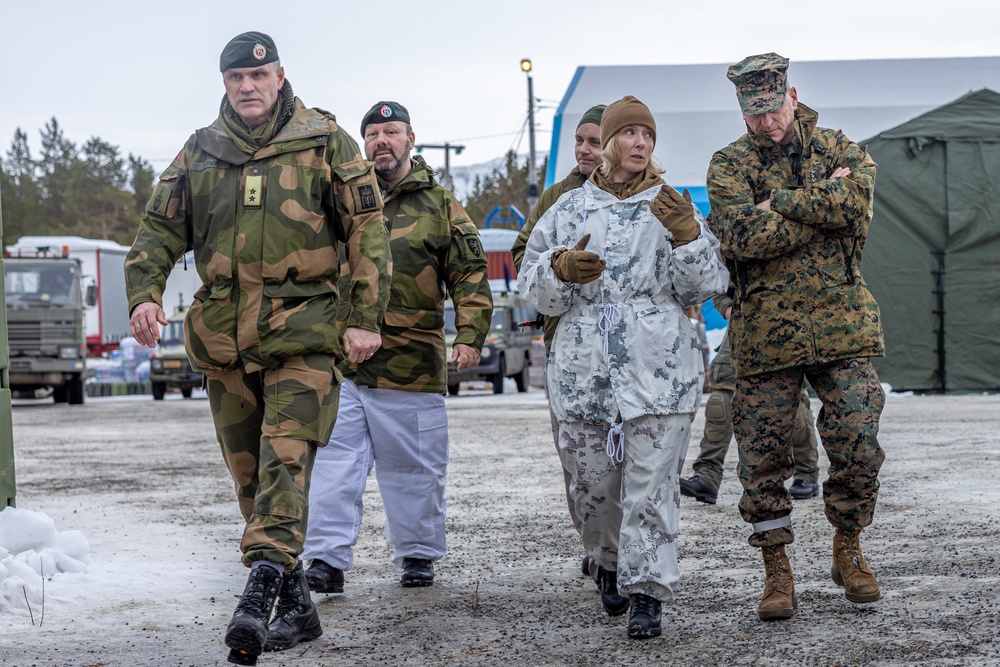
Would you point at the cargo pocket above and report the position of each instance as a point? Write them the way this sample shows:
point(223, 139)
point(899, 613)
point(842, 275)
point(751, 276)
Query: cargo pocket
point(210, 328)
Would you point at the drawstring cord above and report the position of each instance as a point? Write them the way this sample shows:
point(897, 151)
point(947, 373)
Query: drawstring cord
point(615, 446)
point(610, 316)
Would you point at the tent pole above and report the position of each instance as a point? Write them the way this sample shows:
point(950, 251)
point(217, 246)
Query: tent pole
point(939, 274)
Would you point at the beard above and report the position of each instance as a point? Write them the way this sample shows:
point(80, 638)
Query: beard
point(390, 169)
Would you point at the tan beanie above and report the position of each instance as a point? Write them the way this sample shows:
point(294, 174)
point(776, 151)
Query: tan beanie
point(626, 111)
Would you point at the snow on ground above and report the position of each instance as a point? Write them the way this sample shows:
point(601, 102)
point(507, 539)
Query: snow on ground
point(31, 549)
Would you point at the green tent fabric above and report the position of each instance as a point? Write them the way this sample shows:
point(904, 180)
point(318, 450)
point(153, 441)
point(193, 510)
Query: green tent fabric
point(932, 259)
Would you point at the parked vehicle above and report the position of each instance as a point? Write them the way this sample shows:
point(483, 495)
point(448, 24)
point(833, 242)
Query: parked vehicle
point(102, 263)
point(507, 350)
point(45, 310)
point(169, 367)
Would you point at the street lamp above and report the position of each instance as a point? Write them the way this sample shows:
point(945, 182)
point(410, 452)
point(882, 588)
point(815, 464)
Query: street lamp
point(448, 148)
point(532, 174)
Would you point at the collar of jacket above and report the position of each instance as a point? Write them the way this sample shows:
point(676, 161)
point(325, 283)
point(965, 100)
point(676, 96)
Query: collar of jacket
point(596, 198)
point(304, 124)
point(807, 119)
point(575, 179)
point(421, 176)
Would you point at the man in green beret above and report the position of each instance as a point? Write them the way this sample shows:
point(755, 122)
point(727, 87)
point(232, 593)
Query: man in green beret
point(392, 409)
point(588, 157)
point(791, 203)
point(267, 195)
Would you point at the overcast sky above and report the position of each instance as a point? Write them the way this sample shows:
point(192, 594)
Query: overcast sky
point(144, 75)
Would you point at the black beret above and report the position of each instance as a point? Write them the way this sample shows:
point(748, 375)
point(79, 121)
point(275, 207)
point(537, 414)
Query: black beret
point(251, 49)
point(384, 112)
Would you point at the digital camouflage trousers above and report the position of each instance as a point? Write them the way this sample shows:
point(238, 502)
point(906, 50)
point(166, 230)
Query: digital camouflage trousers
point(269, 424)
point(764, 408)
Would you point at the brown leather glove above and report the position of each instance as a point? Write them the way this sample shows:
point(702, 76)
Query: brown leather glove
point(577, 265)
point(676, 213)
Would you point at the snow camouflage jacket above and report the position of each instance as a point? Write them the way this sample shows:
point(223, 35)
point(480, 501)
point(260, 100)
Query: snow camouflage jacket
point(435, 252)
point(624, 344)
point(265, 230)
point(799, 298)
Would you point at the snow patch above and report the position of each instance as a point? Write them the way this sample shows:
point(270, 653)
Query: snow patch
point(31, 548)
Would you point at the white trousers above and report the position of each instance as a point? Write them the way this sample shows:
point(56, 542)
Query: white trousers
point(405, 435)
point(630, 511)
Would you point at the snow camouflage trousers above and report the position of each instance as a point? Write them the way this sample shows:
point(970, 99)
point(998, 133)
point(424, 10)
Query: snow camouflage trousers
point(764, 408)
point(630, 511)
point(269, 424)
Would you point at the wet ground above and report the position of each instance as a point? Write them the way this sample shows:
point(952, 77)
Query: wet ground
point(145, 483)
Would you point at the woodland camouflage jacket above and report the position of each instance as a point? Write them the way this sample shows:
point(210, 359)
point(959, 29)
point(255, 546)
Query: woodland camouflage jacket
point(551, 195)
point(436, 252)
point(798, 294)
point(265, 230)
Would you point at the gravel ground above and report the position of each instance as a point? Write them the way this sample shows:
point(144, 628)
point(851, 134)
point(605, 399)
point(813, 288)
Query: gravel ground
point(145, 483)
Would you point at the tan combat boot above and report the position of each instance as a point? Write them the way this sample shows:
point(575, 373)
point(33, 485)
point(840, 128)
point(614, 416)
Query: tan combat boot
point(779, 600)
point(850, 569)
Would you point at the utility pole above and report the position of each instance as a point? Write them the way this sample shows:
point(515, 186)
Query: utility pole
point(532, 173)
point(447, 148)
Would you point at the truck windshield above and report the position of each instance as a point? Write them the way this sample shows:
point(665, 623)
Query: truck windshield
point(42, 284)
point(173, 333)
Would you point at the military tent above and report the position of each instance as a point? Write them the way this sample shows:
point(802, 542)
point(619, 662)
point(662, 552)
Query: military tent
point(932, 259)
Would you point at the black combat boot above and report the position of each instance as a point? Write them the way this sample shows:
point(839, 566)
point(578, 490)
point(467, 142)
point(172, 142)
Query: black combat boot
point(644, 617)
point(323, 578)
point(697, 488)
point(247, 630)
point(295, 618)
point(613, 603)
point(417, 572)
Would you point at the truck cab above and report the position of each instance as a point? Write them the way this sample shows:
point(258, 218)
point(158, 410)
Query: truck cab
point(507, 350)
point(45, 311)
point(169, 367)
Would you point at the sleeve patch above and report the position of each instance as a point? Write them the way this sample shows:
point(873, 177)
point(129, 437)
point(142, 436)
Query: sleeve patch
point(366, 198)
point(475, 247)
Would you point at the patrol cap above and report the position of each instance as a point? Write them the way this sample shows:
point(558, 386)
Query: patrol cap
point(593, 115)
point(626, 111)
point(760, 82)
point(250, 49)
point(385, 112)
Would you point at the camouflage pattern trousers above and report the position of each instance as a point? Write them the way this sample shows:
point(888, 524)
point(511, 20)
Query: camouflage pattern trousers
point(629, 511)
point(719, 433)
point(269, 424)
point(764, 408)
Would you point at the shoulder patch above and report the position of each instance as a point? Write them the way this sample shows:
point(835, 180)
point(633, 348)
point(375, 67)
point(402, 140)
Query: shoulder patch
point(365, 197)
point(475, 247)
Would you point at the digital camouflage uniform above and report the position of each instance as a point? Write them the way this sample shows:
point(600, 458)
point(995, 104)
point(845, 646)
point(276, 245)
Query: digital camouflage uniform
point(386, 417)
point(801, 310)
point(573, 181)
point(265, 229)
point(719, 426)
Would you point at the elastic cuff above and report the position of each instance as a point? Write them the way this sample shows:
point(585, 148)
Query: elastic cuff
point(772, 524)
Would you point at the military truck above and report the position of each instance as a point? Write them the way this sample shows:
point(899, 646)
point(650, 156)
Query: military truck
point(507, 350)
point(169, 367)
point(45, 310)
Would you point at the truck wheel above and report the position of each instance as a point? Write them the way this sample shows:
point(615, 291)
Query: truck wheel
point(186, 392)
point(74, 391)
point(522, 378)
point(59, 394)
point(498, 378)
point(453, 389)
point(159, 389)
